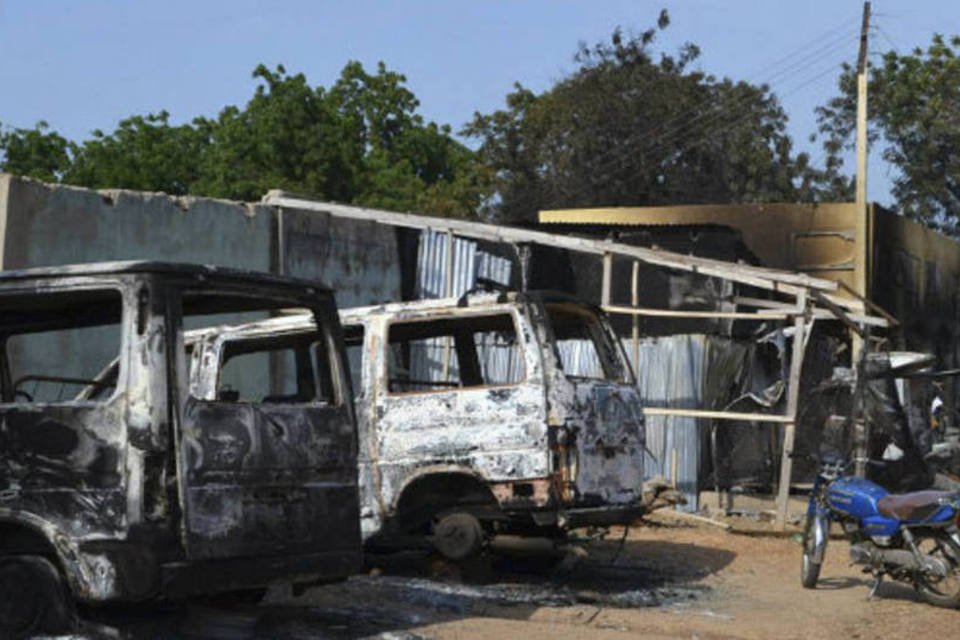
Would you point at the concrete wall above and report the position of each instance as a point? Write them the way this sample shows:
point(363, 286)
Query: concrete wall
point(51, 224)
point(917, 279)
point(43, 224)
point(358, 258)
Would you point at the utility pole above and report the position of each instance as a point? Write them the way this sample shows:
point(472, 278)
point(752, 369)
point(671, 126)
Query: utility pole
point(863, 241)
point(862, 108)
point(862, 230)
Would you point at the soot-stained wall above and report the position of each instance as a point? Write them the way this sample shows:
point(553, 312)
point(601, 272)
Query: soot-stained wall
point(43, 225)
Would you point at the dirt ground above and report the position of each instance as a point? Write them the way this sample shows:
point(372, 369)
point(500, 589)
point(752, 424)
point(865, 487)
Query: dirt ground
point(667, 579)
point(751, 590)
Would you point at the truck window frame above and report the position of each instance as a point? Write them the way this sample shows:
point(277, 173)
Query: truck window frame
point(614, 347)
point(127, 313)
point(387, 345)
point(323, 337)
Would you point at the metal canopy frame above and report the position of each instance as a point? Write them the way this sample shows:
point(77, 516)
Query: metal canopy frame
point(808, 298)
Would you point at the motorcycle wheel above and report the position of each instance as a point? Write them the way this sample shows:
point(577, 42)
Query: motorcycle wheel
point(940, 591)
point(809, 570)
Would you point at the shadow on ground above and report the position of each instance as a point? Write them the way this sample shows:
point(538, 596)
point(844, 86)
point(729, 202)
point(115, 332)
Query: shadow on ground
point(842, 583)
point(889, 589)
point(403, 591)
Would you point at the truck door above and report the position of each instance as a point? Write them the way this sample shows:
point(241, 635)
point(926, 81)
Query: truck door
point(602, 406)
point(269, 457)
point(461, 391)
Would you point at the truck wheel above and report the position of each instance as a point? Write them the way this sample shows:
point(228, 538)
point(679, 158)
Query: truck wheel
point(458, 536)
point(33, 598)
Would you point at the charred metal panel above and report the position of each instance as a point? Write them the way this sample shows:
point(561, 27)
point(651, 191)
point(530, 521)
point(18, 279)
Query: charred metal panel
point(95, 478)
point(273, 477)
point(268, 480)
point(609, 438)
point(55, 463)
point(499, 433)
point(493, 433)
point(568, 452)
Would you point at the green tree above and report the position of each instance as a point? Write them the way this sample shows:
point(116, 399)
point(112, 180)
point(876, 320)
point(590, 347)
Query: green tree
point(914, 107)
point(360, 141)
point(145, 153)
point(37, 153)
point(288, 136)
point(630, 127)
point(408, 164)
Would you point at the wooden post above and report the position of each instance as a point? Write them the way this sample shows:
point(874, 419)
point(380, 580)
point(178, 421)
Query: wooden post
point(674, 471)
point(861, 232)
point(635, 301)
point(448, 286)
point(793, 398)
point(861, 194)
point(607, 277)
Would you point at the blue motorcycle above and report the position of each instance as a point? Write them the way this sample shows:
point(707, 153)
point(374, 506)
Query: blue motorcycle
point(911, 537)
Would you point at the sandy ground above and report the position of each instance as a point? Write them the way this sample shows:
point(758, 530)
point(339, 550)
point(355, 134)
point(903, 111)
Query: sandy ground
point(666, 580)
point(752, 591)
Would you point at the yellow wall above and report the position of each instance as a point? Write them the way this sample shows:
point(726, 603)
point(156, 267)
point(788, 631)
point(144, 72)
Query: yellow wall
point(817, 239)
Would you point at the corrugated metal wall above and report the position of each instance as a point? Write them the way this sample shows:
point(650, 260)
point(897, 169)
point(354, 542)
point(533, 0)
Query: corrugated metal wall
point(673, 371)
point(499, 361)
point(669, 373)
point(469, 263)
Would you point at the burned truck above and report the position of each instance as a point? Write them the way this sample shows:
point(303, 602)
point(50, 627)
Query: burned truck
point(498, 413)
point(119, 484)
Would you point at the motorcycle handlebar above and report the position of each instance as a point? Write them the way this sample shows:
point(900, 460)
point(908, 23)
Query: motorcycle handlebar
point(835, 460)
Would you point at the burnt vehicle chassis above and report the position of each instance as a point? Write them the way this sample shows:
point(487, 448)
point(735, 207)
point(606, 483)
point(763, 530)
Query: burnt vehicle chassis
point(133, 489)
point(470, 427)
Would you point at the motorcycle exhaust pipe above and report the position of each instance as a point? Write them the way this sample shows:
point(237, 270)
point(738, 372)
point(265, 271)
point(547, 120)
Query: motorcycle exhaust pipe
point(860, 555)
point(900, 558)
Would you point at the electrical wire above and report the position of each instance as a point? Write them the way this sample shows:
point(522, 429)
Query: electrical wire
point(682, 134)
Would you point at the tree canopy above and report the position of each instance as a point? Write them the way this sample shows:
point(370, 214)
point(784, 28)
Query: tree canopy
point(914, 107)
point(632, 127)
point(36, 152)
point(361, 141)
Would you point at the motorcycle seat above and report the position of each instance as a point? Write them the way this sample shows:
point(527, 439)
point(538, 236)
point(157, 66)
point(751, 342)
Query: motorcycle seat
point(911, 506)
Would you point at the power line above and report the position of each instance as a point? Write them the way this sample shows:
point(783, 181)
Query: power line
point(722, 111)
point(678, 137)
point(678, 130)
point(777, 68)
point(668, 134)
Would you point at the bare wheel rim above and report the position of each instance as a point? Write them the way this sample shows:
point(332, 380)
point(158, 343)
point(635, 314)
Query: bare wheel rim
point(809, 542)
point(949, 585)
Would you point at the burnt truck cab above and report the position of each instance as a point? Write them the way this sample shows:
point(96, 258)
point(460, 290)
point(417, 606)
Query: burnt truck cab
point(495, 413)
point(118, 481)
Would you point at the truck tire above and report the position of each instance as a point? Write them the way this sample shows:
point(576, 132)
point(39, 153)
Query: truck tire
point(458, 536)
point(33, 598)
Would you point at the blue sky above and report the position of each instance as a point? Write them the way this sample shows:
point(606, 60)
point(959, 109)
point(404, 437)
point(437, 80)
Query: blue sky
point(84, 65)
